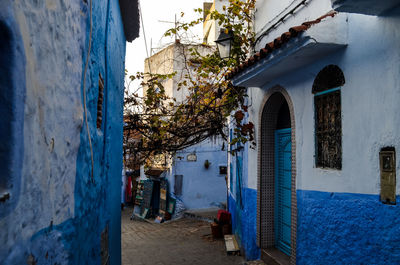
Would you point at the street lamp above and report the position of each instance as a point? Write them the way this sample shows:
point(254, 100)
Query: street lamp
point(224, 43)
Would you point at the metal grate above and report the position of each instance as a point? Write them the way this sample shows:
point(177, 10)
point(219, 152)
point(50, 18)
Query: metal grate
point(328, 130)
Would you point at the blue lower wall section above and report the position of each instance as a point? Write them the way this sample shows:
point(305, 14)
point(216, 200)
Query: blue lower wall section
point(244, 222)
point(344, 228)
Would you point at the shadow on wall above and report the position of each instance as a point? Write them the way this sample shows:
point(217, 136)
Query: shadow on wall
point(12, 93)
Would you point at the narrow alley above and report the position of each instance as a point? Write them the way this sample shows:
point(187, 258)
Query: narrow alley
point(202, 132)
point(184, 241)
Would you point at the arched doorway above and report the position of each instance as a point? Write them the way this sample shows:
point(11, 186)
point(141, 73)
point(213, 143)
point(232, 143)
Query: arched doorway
point(276, 179)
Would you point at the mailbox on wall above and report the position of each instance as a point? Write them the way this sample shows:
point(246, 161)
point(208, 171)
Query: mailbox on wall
point(387, 159)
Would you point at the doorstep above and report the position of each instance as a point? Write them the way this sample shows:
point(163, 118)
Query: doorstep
point(273, 256)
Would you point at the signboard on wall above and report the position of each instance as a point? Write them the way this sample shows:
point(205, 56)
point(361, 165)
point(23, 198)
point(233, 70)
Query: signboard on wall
point(192, 157)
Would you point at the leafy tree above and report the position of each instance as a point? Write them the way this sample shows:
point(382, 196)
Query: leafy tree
point(168, 125)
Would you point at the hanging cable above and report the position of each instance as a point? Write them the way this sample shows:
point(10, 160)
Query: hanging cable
point(286, 13)
point(144, 36)
point(84, 90)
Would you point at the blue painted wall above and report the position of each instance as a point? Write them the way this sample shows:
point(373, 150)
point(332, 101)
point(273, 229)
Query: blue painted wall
point(346, 228)
point(242, 203)
point(201, 187)
point(61, 211)
point(244, 222)
point(99, 202)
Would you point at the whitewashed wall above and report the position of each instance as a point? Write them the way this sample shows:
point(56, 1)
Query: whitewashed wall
point(268, 12)
point(369, 108)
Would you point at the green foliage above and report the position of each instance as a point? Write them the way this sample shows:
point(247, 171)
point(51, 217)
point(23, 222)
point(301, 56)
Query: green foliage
point(167, 125)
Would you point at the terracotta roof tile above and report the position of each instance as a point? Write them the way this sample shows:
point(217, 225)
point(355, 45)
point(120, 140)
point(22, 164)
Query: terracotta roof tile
point(263, 52)
point(269, 46)
point(286, 36)
point(277, 43)
point(296, 30)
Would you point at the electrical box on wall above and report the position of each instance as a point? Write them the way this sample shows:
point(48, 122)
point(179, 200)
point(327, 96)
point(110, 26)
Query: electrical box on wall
point(387, 160)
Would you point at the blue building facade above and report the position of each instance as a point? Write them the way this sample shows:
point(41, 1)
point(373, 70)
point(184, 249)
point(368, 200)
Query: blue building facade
point(198, 185)
point(328, 192)
point(62, 67)
point(242, 200)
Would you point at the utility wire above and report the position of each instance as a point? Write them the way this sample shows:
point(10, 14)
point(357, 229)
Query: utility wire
point(281, 20)
point(144, 36)
point(84, 90)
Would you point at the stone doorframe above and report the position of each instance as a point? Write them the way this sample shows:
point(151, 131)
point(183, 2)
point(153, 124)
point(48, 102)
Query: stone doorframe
point(268, 116)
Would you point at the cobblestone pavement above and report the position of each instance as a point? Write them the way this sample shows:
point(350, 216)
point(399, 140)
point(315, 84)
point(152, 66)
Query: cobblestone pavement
point(184, 241)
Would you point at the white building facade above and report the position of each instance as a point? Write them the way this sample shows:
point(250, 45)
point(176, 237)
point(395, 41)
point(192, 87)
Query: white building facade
point(323, 86)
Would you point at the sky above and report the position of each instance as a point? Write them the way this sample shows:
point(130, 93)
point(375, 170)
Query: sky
point(153, 13)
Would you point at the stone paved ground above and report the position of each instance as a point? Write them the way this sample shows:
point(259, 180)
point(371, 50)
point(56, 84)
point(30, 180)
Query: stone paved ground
point(181, 242)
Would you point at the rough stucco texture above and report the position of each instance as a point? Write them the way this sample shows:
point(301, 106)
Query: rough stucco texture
point(51, 125)
point(345, 228)
point(61, 212)
point(244, 222)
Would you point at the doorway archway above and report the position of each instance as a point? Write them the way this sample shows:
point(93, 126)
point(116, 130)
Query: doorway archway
point(277, 206)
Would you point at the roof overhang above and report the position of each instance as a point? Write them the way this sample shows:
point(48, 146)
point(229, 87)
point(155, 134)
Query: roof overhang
point(366, 7)
point(317, 42)
point(130, 18)
point(154, 172)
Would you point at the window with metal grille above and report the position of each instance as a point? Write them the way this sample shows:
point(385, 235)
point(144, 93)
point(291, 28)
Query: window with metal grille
point(328, 117)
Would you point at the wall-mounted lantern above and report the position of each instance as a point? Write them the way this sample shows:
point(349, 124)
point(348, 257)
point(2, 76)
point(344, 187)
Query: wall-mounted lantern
point(207, 164)
point(224, 43)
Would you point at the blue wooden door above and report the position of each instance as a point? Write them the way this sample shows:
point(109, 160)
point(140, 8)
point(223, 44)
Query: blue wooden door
point(283, 185)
